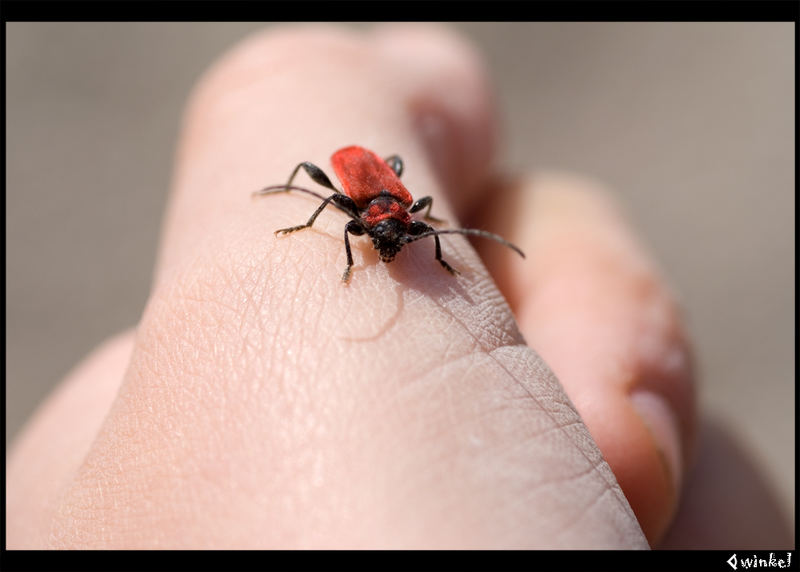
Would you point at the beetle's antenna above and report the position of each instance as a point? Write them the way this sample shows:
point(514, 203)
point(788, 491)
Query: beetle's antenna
point(274, 189)
point(286, 188)
point(471, 232)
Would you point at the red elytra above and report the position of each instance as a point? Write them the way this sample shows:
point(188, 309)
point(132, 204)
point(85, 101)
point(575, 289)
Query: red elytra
point(377, 203)
point(363, 175)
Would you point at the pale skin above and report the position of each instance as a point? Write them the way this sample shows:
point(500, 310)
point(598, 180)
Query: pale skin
point(261, 403)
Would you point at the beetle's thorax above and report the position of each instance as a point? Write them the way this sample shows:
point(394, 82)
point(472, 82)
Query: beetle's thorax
point(383, 207)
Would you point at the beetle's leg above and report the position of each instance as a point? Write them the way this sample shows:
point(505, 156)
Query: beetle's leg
point(316, 174)
point(396, 163)
point(418, 227)
point(441, 260)
point(421, 204)
point(340, 199)
point(352, 227)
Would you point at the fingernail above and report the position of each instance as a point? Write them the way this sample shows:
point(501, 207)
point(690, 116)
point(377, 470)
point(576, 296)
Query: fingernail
point(662, 424)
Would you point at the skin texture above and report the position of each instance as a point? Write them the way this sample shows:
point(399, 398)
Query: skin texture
point(261, 403)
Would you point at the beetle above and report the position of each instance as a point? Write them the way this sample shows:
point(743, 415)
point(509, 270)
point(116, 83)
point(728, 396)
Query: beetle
point(378, 204)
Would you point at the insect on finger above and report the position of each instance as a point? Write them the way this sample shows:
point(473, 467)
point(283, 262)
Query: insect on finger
point(378, 204)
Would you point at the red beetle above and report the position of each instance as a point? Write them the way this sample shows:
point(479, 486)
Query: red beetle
point(377, 202)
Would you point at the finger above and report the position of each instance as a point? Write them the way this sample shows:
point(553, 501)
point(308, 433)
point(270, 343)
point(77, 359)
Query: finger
point(267, 405)
point(594, 306)
point(413, 91)
point(53, 444)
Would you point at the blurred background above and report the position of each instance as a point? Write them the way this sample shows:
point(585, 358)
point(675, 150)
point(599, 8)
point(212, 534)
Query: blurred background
point(691, 123)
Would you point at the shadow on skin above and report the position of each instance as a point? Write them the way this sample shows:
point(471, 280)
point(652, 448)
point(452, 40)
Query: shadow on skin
point(728, 503)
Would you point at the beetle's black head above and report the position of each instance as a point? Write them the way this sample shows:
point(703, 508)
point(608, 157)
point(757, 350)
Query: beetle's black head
point(388, 237)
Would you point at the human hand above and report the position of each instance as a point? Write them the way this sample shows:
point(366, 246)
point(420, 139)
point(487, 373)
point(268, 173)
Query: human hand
point(261, 403)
